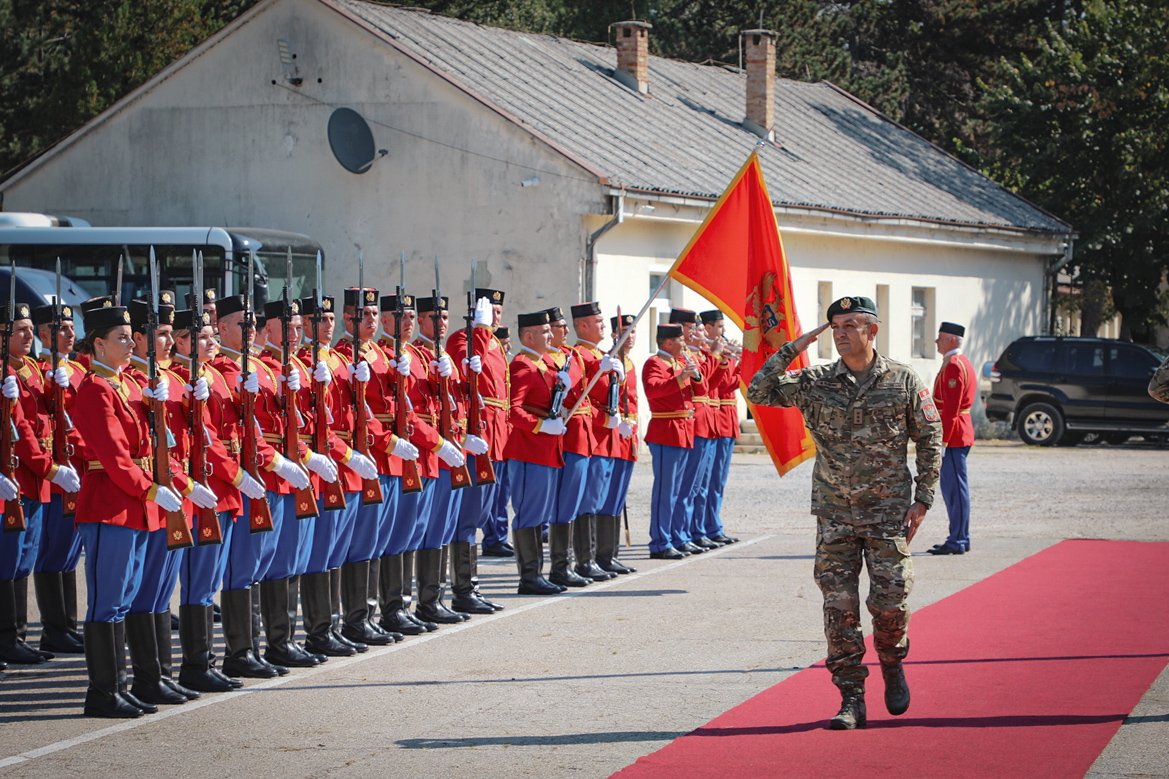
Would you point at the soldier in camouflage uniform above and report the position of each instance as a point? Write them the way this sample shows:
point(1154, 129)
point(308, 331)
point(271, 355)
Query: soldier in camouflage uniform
point(862, 411)
point(1159, 384)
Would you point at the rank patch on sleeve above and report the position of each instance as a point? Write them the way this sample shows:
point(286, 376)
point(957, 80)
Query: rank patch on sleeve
point(927, 406)
point(795, 373)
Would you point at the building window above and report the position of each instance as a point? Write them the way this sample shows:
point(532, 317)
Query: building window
point(824, 340)
point(922, 315)
point(882, 309)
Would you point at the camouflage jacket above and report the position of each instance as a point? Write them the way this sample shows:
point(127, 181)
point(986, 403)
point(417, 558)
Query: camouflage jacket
point(1159, 385)
point(862, 432)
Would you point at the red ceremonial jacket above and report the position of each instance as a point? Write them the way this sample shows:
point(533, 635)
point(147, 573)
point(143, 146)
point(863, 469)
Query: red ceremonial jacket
point(269, 416)
point(728, 405)
point(616, 446)
point(532, 380)
point(579, 439)
point(34, 453)
point(494, 384)
point(669, 389)
point(954, 390)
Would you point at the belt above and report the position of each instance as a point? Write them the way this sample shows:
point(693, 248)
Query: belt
point(232, 445)
point(504, 404)
point(46, 443)
point(145, 463)
point(387, 418)
point(687, 414)
point(585, 410)
point(964, 411)
point(274, 438)
point(728, 402)
point(428, 418)
point(536, 411)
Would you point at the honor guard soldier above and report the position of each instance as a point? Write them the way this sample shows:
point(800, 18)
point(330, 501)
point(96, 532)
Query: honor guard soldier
point(726, 427)
point(534, 451)
point(55, 572)
point(669, 378)
point(33, 469)
point(862, 411)
point(696, 474)
point(589, 326)
point(502, 491)
point(954, 390)
point(620, 446)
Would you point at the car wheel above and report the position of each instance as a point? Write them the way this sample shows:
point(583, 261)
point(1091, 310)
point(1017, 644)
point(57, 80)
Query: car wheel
point(1040, 424)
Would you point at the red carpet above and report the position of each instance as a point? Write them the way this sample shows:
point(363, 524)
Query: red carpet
point(1027, 673)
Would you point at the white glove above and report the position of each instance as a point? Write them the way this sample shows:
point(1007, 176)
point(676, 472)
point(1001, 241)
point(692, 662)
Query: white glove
point(475, 364)
point(474, 444)
point(8, 488)
point(612, 364)
point(60, 377)
point(362, 465)
point(292, 473)
point(200, 390)
point(565, 379)
point(167, 499)
point(161, 391)
point(251, 382)
point(322, 374)
point(443, 366)
point(250, 487)
point(612, 421)
point(402, 365)
point(324, 467)
point(450, 454)
point(67, 479)
point(625, 430)
point(361, 371)
point(293, 379)
point(11, 388)
point(553, 426)
point(483, 312)
point(404, 450)
point(203, 497)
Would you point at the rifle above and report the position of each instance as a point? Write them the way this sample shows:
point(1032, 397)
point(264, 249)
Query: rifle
point(460, 477)
point(13, 509)
point(306, 500)
point(178, 534)
point(624, 400)
point(484, 470)
point(260, 511)
point(207, 529)
point(62, 424)
point(332, 493)
point(371, 489)
point(411, 482)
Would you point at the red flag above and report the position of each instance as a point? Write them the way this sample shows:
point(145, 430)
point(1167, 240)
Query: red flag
point(736, 261)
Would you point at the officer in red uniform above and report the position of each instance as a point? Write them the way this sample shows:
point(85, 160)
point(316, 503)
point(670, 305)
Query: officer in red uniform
point(726, 424)
point(954, 390)
point(621, 447)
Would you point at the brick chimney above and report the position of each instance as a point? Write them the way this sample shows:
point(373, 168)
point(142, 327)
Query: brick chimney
point(633, 54)
point(760, 50)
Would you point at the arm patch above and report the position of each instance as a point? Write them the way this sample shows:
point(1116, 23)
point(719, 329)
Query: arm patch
point(928, 409)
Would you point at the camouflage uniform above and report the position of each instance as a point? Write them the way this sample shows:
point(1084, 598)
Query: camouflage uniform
point(861, 489)
point(1159, 384)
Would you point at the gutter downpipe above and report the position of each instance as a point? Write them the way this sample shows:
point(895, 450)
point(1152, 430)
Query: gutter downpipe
point(590, 269)
point(1049, 285)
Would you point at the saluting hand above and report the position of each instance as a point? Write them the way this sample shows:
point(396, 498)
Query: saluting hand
point(805, 340)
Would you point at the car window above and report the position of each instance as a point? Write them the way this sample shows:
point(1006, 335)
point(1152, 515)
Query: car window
point(1085, 360)
point(1127, 362)
point(1036, 357)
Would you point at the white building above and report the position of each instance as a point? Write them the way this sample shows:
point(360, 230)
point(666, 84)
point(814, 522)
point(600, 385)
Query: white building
point(570, 171)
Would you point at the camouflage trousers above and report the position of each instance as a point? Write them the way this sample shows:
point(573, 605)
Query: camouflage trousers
point(840, 549)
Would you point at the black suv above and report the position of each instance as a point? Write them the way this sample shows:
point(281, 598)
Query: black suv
point(1060, 390)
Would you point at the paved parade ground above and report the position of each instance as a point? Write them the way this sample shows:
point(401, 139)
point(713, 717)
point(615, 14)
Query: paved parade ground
point(585, 684)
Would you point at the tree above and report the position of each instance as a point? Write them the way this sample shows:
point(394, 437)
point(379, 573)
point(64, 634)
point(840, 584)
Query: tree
point(1080, 129)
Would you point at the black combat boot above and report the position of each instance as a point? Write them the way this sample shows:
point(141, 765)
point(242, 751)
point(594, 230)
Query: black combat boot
point(316, 598)
point(335, 615)
point(259, 626)
point(55, 633)
point(281, 649)
point(852, 714)
point(123, 677)
point(464, 584)
point(12, 647)
point(241, 660)
point(608, 544)
point(102, 698)
point(148, 686)
point(355, 606)
point(408, 568)
point(559, 545)
point(69, 592)
point(584, 545)
point(195, 673)
point(166, 650)
point(430, 607)
point(373, 599)
point(394, 619)
point(896, 689)
point(444, 570)
point(528, 553)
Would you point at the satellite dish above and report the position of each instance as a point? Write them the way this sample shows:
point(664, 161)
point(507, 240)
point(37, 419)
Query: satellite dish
point(351, 140)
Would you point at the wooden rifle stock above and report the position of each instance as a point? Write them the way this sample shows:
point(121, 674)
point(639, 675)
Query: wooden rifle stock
point(333, 495)
point(484, 470)
point(260, 520)
point(305, 499)
point(207, 529)
point(178, 532)
point(14, 521)
point(371, 489)
point(403, 429)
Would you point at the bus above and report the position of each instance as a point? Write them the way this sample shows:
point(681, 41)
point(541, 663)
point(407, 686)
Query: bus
point(89, 256)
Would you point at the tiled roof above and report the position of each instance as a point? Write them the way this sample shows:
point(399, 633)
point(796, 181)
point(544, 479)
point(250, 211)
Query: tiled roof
point(685, 137)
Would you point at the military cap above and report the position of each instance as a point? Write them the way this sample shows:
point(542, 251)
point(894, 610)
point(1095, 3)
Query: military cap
point(102, 301)
point(229, 305)
point(19, 311)
point(43, 315)
point(390, 302)
point(534, 319)
point(105, 317)
point(140, 311)
point(852, 305)
point(683, 316)
point(554, 314)
point(714, 315)
point(669, 331)
point(275, 309)
point(494, 295)
point(952, 329)
point(185, 316)
point(210, 297)
point(167, 297)
point(368, 297)
point(309, 305)
point(621, 322)
point(502, 333)
point(586, 309)
point(426, 304)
